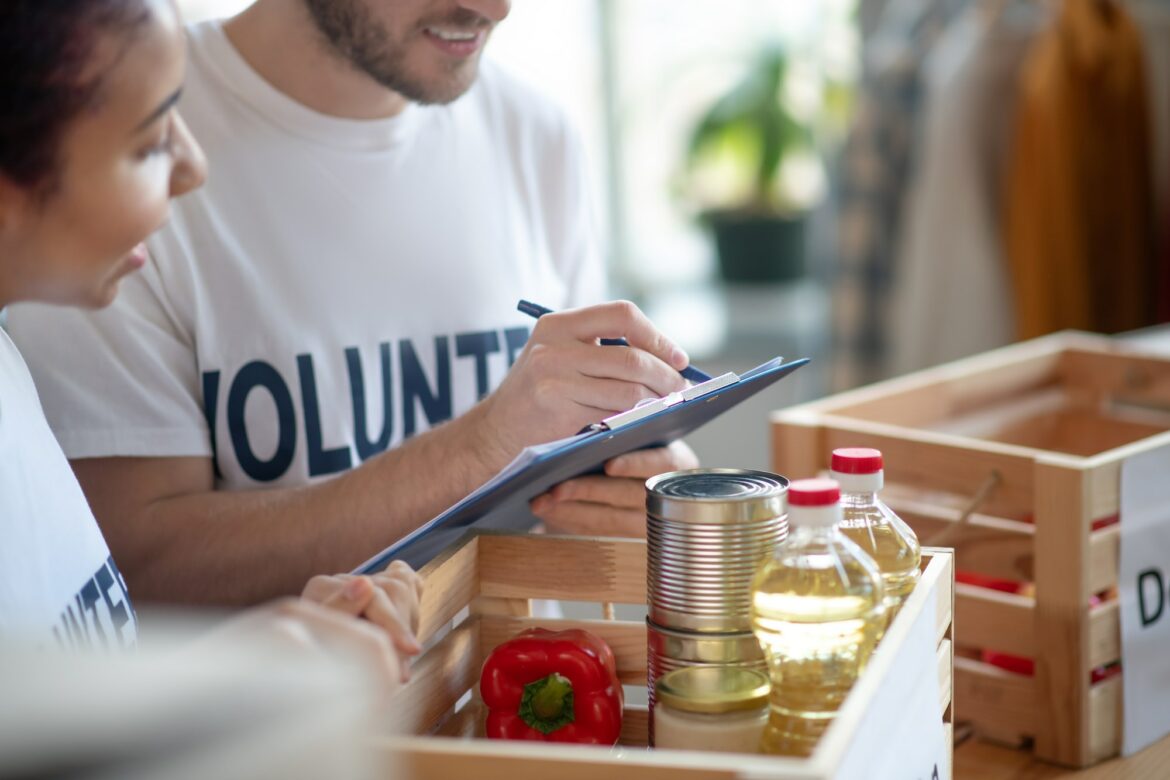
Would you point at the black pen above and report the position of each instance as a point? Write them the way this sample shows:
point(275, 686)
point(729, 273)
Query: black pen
point(537, 311)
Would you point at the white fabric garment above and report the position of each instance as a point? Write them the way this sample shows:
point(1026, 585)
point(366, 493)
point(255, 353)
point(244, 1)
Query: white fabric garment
point(953, 295)
point(336, 285)
point(58, 584)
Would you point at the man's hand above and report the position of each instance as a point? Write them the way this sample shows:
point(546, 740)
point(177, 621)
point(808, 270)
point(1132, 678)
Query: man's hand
point(614, 504)
point(565, 379)
point(389, 600)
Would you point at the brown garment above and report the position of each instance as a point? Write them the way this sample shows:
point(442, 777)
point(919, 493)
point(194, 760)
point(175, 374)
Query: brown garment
point(1079, 233)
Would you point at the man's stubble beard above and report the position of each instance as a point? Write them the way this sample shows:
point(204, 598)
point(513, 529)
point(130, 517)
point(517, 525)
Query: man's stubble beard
point(352, 33)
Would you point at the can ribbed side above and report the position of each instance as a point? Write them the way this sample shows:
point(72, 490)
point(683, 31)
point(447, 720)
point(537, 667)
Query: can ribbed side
point(698, 576)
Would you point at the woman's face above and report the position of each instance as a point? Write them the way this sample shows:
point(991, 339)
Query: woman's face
point(121, 161)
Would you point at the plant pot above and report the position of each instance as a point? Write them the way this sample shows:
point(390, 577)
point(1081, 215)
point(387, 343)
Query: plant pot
point(758, 247)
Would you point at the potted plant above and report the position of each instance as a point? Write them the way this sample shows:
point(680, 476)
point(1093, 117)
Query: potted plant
point(735, 161)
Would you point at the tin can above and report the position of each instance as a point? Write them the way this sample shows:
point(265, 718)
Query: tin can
point(668, 650)
point(707, 531)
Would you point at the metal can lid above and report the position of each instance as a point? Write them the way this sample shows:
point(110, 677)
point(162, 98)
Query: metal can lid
point(713, 689)
point(716, 496)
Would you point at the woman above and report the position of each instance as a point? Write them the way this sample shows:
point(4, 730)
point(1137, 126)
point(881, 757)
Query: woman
point(92, 149)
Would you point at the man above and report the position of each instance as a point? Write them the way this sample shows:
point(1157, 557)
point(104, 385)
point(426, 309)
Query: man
point(255, 407)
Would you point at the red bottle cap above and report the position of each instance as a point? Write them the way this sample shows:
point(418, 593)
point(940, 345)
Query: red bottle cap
point(814, 492)
point(856, 460)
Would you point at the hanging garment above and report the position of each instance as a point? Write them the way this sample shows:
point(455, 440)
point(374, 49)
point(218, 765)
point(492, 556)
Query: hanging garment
point(952, 296)
point(1153, 20)
point(873, 176)
point(1078, 223)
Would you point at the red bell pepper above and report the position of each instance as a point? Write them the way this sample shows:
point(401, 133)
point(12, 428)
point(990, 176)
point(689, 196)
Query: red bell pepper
point(553, 686)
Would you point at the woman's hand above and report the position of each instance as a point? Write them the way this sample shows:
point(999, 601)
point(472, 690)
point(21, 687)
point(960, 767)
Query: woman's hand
point(389, 600)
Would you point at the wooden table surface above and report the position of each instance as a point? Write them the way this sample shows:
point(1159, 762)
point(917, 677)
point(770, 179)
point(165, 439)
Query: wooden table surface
point(975, 760)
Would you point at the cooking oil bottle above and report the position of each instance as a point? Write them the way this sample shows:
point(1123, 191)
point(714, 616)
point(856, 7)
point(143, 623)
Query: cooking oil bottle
point(817, 611)
point(870, 523)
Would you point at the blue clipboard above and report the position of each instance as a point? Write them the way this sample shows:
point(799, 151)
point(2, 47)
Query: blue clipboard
point(502, 502)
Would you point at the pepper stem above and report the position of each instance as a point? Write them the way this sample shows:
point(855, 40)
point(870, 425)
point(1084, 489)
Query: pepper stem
point(547, 704)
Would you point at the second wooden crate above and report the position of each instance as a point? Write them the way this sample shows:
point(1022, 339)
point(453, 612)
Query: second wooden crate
point(1024, 447)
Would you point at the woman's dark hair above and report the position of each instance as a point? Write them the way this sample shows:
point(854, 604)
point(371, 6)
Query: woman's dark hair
point(47, 77)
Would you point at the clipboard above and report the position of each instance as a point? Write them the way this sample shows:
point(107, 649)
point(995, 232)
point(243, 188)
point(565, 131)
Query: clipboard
point(502, 502)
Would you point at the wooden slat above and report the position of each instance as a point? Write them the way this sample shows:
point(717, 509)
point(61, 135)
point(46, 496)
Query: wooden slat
point(635, 726)
point(1114, 370)
point(971, 383)
point(442, 675)
point(944, 606)
point(945, 676)
point(798, 449)
point(562, 567)
point(451, 582)
point(1063, 524)
point(1104, 558)
point(990, 697)
point(488, 605)
point(465, 723)
point(991, 546)
point(440, 759)
point(993, 620)
point(1106, 719)
point(941, 462)
point(1104, 634)
point(1105, 474)
point(626, 639)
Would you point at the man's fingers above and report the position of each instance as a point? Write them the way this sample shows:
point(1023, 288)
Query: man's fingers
point(596, 489)
point(652, 462)
point(646, 375)
point(621, 319)
point(586, 519)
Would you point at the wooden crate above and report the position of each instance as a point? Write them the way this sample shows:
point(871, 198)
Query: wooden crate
point(496, 575)
point(1014, 458)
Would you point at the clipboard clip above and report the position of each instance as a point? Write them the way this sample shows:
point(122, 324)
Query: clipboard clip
point(650, 406)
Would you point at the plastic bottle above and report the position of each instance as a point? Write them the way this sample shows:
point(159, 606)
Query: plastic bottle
point(873, 526)
point(817, 611)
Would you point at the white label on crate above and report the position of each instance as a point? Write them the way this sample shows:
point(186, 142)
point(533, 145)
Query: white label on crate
point(902, 736)
point(1144, 580)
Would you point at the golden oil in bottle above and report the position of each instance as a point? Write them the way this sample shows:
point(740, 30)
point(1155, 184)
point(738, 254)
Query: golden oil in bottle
point(867, 521)
point(817, 610)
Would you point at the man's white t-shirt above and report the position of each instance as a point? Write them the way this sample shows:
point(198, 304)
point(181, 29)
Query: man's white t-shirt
point(335, 287)
point(58, 584)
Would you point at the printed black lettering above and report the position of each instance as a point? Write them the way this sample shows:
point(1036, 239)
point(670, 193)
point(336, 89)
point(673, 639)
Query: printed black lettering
point(515, 338)
point(1155, 577)
point(436, 404)
point(69, 620)
point(321, 460)
point(210, 407)
point(119, 615)
point(478, 345)
point(366, 447)
point(253, 375)
point(88, 597)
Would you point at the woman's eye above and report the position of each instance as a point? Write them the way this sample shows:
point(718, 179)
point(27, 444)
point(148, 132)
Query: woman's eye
point(162, 146)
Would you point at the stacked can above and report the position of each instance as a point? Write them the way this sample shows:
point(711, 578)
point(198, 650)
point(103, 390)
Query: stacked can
point(707, 531)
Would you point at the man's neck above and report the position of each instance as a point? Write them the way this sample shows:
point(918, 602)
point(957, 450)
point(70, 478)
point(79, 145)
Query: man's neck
point(279, 40)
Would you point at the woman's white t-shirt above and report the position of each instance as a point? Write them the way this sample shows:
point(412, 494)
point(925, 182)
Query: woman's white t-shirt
point(59, 586)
